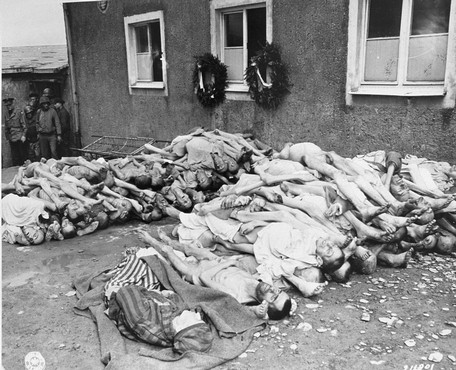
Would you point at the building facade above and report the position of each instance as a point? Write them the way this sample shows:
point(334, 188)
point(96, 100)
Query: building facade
point(366, 74)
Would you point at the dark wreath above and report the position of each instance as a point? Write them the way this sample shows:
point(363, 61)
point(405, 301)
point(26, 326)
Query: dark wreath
point(210, 80)
point(268, 95)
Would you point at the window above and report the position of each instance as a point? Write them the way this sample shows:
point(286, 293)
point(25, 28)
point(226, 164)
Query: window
point(401, 47)
point(145, 51)
point(239, 29)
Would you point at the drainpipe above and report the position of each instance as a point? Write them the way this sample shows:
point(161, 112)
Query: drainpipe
point(74, 94)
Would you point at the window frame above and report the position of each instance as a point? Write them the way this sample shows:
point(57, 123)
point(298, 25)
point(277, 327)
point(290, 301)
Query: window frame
point(235, 90)
point(130, 22)
point(357, 34)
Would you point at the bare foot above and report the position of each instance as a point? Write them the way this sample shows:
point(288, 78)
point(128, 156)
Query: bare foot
point(366, 266)
point(312, 289)
point(385, 226)
point(419, 232)
point(351, 248)
point(424, 217)
point(89, 229)
point(368, 213)
point(362, 253)
point(395, 260)
point(261, 311)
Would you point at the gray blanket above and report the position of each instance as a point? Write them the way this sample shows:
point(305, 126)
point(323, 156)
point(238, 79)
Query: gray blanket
point(233, 324)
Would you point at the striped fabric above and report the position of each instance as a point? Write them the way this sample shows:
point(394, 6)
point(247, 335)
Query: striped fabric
point(132, 271)
point(146, 315)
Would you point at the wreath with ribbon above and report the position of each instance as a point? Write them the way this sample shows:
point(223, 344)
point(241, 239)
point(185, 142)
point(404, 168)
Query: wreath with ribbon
point(268, 94)
point(210, 80)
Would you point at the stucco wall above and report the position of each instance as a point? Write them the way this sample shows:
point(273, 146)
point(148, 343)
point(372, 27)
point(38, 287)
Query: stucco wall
point(106, 107)
point(313, 39)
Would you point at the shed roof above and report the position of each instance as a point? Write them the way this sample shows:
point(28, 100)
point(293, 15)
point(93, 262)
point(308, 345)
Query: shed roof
point(34, 59)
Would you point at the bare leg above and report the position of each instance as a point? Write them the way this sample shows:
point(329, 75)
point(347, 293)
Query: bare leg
point(239, 247)
point(190, 272)
point(34, 194)
point(80, 161)
point(394, 260)
point(164, 153)
point(367, 232)
point(187, 249)
point(53, 196)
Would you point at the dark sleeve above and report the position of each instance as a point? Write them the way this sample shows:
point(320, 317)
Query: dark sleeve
point(65, 122)
point(56, 119)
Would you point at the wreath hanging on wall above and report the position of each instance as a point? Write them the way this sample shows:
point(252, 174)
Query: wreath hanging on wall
point(270, 93)
point(210, 80)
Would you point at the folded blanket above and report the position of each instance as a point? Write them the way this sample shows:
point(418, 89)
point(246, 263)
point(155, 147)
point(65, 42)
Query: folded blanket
point(235, 325)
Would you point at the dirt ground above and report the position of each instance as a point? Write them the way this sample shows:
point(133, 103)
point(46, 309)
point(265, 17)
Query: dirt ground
point(394, 319)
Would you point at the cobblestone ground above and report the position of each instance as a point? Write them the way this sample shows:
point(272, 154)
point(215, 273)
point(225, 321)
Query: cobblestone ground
point(394, 319)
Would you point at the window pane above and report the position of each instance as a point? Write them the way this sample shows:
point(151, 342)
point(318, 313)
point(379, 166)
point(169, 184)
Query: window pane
point(156, 51)
point(430, 16)
point(427, 58)
point(256, 30)
point(234, 60)
point(381, 60)
point(384, 18)
point(142, 43)
point(233, 29)
point(144, 64)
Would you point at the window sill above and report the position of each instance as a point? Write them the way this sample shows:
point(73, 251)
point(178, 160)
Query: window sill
point(148, 85)
point(238, 92)
point(406, 91)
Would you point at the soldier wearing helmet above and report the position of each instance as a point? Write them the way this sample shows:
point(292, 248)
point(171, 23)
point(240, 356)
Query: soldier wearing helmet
point(31, 134)
point(49, 129)
point(13, 121)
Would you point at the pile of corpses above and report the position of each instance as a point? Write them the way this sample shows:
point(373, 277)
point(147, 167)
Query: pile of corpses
point(296, 208)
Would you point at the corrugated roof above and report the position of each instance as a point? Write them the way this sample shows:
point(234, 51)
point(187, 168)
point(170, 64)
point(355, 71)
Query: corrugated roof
point(34, 59)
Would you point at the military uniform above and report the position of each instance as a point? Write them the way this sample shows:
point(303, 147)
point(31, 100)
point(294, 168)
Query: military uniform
point(13, 121)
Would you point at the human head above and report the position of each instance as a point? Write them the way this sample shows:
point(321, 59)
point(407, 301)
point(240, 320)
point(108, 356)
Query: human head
point(74, 211)
point(59, 103)
point(399, 189)
point(33, 234)
point(45, 103)
point(446, 243)
point(143, 181)
point(156, 181)
point(233, 166)
point(204, 181)
point(33, 98)
point(155, 214)
point(192, 333)
point(342, 274)
point(331, 255)
point(123, 210)
point(279, 303)
point(257, 204)
point(183, 202)
point(28, 110)
point(68, 230)
point(219, 164)
point(8, 101)
point(103, 220)
point(47, 92)
point(311, 274)
point(121, 191)
point(196, 196)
